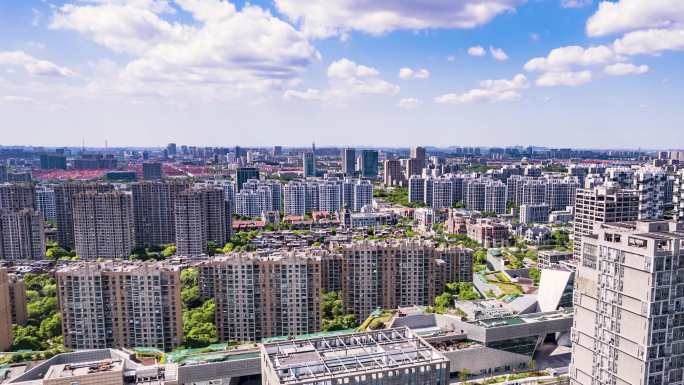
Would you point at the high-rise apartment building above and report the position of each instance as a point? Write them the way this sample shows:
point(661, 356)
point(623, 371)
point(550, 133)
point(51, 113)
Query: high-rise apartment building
point(330, 196)
point(152, 170)
point(17, 292)
point(45, 201)
point(295, 198)
point(16, 196)
point(154, 211)
point(22, 235)
point(416, 189)
point(247, 203)
point(397, 273)
point(5, 313)
point(260, 296)
point(64, 195)
point(561, 193)
point(420, 155)
point(362, 195)
point(439, 194)
point(678, 197)
point(651, 184)
point(348, 161)
point(392, 172)
point(628, 320)
point(104, 225)
point(602, 204)
point(201, 216)
point(120, 304)
point(369, 163)
point(309, 164)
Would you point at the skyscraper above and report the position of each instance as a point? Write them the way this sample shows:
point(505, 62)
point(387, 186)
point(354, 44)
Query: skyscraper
point(243, 174)
point(104, 226)
point(392, 172)
point(120, 304)
point(152, 170)
point(201, 216)
point(369, 163)
point(16, 196)
point(627, 305)
point(5, 313)
point(420, 155)
point(309, 162)
point(22, 235)
point(153, 209)
point(45, 200)
point(64, 194)
point(348, 161)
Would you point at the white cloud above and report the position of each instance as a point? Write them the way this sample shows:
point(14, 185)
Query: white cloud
point(408, 73)
point(563, 58)
point(35, 19)
point(409, 103)
point(347, 78)
point(489, 91)
point(575, 3)
point(570, 79)
point(630, 15)
point(620, 69)
point(221, 52)
point(476, 51)
point(33, 66)
point(16, 99)
point(325, 18)
point(650, 42)
point(498, 53)
point(451, 58)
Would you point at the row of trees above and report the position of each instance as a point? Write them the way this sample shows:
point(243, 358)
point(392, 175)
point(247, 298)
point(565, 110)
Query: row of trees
point(333, 314)
point(198, 316)
point(463, 291)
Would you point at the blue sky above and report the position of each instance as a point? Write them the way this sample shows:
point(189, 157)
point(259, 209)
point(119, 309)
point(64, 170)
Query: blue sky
point(559, 73)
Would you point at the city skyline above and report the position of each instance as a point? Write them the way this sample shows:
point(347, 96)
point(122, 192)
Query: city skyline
point(491, 72)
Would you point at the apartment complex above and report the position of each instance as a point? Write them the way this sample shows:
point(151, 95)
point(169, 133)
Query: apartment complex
point(120, 304)
point(627, 305)
point(103, 225)
point(64, 195)
point(602, 204)
point(201, 216)
point(153, 210)
point(390, 274)
point(22, 235)
point(5, 313)
point(45, 201)
point(392, 172)
point(265, 295)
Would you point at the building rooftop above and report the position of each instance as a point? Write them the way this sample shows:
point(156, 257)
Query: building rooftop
point(83, 369)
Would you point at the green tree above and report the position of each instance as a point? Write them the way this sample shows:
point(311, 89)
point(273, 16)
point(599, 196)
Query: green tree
point(535, 275)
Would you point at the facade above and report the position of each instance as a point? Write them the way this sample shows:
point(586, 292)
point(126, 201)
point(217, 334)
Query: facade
point(678, 197)
point(201, 216)
point(561, 193)
point(64, 214)
point(348, 161)
point(627, 316)
point(651, 184)
point(294, 198)
point(602, 204)
point(104, 225)
point(17, 292)
point(488, 233)
point(442, 196)
point(259, 296)
point(382, 357)
point(534, 213)
point(550, 259)
point(495, 197)
point(397, 273)
point(416, 189)
point(152, 170)
point(5, 313)
point(17, 196)
point(392, 172)
point(362, 195)
point(120, 304)
point(369, 163)
point(153, 210)
point(45, 201)
point(330, 196)
point(22, 235)
point(418, 153)
point(247, 203)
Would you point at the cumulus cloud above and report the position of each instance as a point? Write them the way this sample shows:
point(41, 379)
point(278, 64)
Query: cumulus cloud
point(575, 3)
point(563, 58)
point(650, 42)
point(324, 18)
point(476, 51)
point(347, 78)
point(620, 69)
point(408, 73)
point(630, 15)
point(409, 103)
point(489, 91)
point(570, 79)
point(33, 66)
point(498, 53)
point(220, 51)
